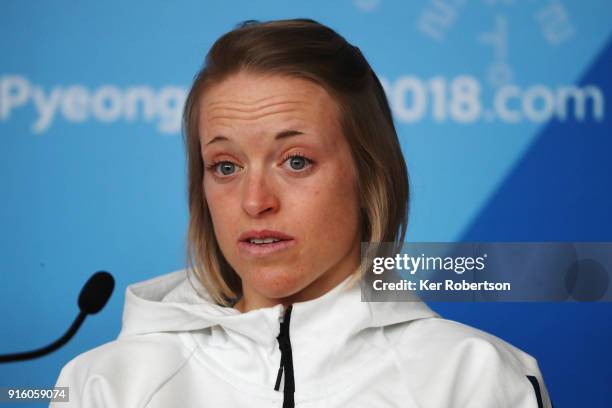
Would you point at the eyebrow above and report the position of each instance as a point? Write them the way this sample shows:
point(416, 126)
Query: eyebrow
point(281, 135)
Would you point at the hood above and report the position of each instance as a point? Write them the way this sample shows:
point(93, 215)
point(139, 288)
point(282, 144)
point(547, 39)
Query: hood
point(177, 302)
point(332, 337)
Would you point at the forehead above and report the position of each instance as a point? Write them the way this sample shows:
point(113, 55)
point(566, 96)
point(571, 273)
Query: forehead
point(252, 99)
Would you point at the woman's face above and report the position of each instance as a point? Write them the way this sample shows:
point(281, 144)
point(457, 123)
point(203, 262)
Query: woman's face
point(278, 168)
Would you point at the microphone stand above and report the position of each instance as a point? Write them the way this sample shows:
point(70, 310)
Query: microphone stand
point(6, 358)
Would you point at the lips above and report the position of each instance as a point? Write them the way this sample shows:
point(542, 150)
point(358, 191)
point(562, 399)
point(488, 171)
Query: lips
point(262, 234)
point(270, 242)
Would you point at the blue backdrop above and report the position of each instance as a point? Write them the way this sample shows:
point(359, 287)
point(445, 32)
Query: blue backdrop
point(502, 111)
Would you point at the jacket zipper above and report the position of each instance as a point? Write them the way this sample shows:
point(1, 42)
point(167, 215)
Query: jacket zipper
point(286, 363)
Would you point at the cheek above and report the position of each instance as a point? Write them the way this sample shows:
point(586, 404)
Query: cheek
point(221, 211)
point(332, 208)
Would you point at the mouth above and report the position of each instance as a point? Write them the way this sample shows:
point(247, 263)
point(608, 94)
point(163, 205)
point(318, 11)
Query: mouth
point(263, 237)
point(264, 242)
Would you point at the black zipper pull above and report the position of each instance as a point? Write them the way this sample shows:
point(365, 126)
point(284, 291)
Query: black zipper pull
point(286, 363)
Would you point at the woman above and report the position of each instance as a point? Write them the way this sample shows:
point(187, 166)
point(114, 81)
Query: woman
point(293, 162)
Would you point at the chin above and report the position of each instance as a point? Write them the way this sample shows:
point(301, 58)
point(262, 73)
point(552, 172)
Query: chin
point(277, 284)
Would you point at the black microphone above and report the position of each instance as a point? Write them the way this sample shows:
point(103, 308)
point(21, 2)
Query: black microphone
point(93, 297)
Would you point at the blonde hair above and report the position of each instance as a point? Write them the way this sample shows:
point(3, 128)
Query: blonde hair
point(304, 49)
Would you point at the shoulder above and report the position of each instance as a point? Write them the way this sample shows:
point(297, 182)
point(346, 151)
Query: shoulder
point(449, 337)
point(124, 372)
point(156, 350)
point(479, 368)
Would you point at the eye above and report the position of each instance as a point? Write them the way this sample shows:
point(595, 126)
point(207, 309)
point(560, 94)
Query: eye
point(222, 168)
point(297, 162)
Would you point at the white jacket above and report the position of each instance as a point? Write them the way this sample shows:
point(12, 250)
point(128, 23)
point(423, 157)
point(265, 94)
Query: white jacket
point(177, 349)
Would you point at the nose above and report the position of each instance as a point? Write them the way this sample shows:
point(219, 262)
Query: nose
point(258, 195)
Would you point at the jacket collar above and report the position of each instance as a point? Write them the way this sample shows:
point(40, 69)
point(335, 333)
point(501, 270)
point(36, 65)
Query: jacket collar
point(178, 302)
point(332, 337)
